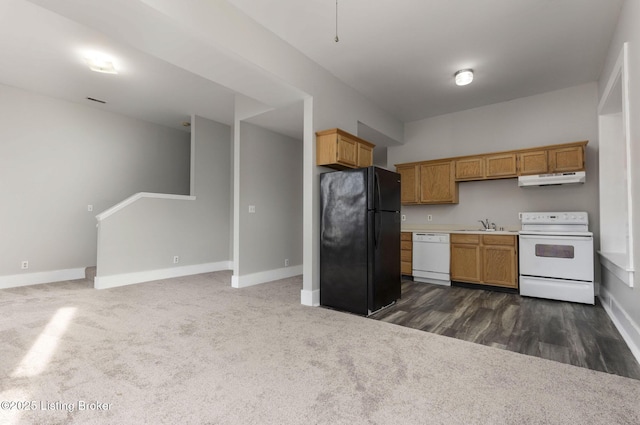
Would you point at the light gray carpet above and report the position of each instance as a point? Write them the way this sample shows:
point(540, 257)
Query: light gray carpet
point(196, 351)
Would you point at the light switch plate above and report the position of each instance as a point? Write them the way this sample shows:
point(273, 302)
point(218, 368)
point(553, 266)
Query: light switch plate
point(252, 209)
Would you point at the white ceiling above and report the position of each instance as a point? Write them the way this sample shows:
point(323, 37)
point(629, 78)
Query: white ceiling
point(43, 52)
point(400, 54)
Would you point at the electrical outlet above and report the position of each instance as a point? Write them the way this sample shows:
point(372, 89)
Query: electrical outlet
point(429, 217)
point(176, 259)
point(24, 265)
point(252, 209)
point(286, 262)
point(404, 217)
point(520, 216)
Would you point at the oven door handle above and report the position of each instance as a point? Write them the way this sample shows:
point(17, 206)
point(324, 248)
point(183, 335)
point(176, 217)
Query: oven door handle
point(557, 238)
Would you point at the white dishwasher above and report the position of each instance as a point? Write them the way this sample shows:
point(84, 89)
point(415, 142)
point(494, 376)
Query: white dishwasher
point(431, 255)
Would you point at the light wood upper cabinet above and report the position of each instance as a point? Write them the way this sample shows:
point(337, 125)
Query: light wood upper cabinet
point(470, 168)
point(566, 159)
point(483, 167)
point(485, 259)
point(500, 166)
point(365, 155)
point(557, 159)
point(338, 149)
point(409, 182)
point(533, 162)
point(437, 183)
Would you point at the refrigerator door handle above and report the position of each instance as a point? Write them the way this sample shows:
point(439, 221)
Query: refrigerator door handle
point(376, 201)
point(376, 208)
point(377, 229)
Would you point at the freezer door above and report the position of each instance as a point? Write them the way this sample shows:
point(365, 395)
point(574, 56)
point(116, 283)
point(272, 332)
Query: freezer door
point(344, 241)
point(384, 189)
point(384, 267)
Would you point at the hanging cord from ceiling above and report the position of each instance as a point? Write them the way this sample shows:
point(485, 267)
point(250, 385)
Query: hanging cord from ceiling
point(337, 39)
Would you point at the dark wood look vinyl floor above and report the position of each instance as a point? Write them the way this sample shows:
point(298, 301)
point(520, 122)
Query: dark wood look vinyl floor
point(577, 334)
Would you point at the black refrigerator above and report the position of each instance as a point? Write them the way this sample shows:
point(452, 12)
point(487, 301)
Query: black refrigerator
point(359, 239)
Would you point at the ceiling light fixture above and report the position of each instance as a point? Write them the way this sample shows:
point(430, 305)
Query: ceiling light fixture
point(99, 63)
point(464, 77)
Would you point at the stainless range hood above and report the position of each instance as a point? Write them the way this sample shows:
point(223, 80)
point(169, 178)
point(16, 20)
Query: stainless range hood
point(552, 179)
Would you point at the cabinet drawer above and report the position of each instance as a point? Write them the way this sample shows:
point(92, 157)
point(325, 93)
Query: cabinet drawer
point(406, 256)
point(406, 268)
point(406, 236)
point(465, 238)
point(406, 245)
point(499, 240)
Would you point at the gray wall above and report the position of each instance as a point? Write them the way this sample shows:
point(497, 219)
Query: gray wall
point(557, 117)
point(626, 298)
point(56, 158)
point(144, 236)
point(271, 180)
point(212, 186)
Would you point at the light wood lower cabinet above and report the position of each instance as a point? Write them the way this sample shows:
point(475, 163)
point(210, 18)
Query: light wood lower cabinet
point(485, 259)
point(406, 253)
point(465, 258)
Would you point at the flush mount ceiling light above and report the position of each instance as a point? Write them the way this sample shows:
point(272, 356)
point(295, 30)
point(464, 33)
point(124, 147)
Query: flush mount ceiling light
point(100, 63)
point(464, 77)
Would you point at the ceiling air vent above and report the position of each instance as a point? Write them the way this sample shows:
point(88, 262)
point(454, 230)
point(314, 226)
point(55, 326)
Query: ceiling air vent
point(96, 100)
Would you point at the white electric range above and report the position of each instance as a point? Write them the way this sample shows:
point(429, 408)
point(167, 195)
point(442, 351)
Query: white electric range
point(556, 256)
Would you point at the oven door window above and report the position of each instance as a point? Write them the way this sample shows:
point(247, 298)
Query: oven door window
point(555, 251)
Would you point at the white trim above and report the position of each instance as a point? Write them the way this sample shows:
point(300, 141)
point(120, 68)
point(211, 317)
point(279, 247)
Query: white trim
point(133, 198)
point(310, 298)
point(622, 268)
point(267, 276)
point(629, 330)
point(26, 279)
point(112, 281)
point(615, 263)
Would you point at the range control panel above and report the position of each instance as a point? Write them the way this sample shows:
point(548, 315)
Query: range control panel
point(580, 217)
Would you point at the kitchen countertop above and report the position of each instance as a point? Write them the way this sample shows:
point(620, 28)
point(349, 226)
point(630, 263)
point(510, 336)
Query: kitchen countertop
point(452, 228)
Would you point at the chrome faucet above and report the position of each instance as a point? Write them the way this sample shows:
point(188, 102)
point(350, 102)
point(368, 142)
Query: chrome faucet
point(487, 225)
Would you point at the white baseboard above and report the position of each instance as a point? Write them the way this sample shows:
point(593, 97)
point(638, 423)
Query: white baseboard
point(112, 281)
point(26, 279)
point(267, 276)
point(310, 298)
point(629, 330)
